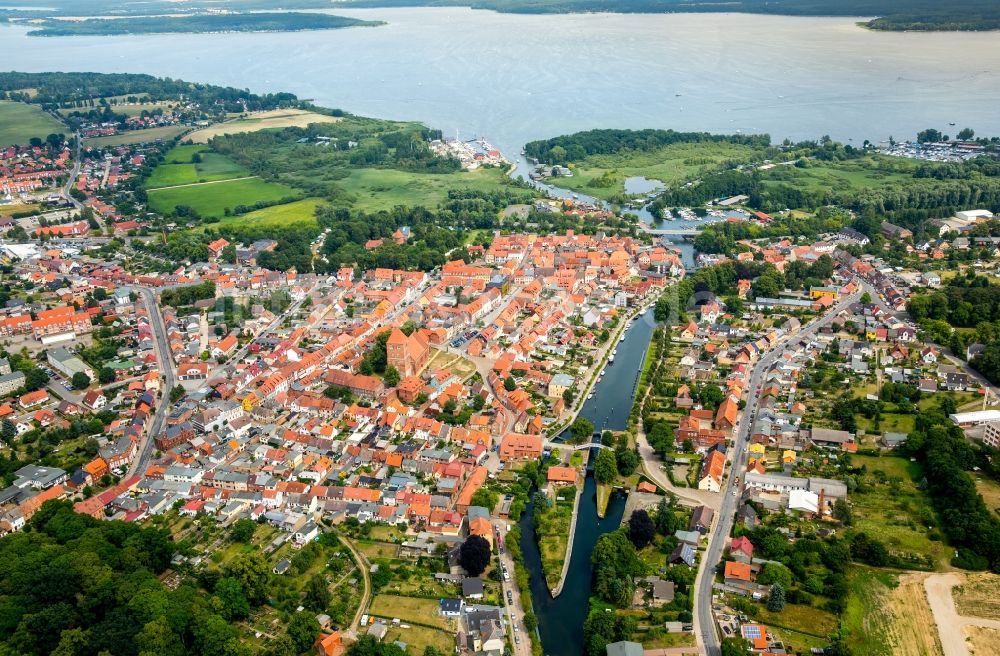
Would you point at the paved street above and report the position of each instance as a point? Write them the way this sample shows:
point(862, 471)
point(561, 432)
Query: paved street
point(708, 636)
point(168, 380)
point(515, 611)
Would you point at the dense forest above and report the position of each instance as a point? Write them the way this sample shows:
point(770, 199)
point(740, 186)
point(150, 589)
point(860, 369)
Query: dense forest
point(33, 8)
point(253, 22)
point(578, 146)
point(69, 90)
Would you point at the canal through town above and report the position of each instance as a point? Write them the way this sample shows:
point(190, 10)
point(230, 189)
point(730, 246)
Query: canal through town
point(560, 620)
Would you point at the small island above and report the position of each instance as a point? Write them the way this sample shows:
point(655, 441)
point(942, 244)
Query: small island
point(201, 23)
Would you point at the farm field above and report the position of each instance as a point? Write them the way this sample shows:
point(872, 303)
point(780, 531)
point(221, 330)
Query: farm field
point(165, 133)
point(279, 118)
point(213, 198)
point(893, 509)
point(978, 596)
point(19, 122)
point(888, 615)
point(671, 165)
point(377, 189)
point(183, 167)
point(14, 208)
point(982, 641)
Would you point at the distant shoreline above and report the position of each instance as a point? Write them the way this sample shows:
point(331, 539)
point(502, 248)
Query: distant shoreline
point(198, 24)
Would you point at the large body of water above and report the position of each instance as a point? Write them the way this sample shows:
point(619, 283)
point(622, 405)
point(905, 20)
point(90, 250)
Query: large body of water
point(514, 78)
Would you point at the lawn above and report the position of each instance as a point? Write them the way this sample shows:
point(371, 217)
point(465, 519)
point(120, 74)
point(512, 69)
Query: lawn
point(671, 165)
point(802, 627)
point(418, 638)
point(893, 509)
point(19, 122)
point(165, 133)
point(990, 491)
point(211, 167)
point(212, 198)
point(377, 189)
point(409, 610)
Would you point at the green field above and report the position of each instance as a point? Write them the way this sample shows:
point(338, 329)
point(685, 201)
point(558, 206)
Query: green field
point(409, 609)
point(846, 175)
point(180, 170)
point(165, 133)
point(19, 122)
point(376, 189)
point(893, 509)
point(866, 618)
point(212, 198)
point(671, 165)
point(301, 212)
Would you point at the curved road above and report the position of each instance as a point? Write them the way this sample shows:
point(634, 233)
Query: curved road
point(724, 518)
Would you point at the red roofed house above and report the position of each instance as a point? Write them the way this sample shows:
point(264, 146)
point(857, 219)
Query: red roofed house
point(515, 446)
point(742, 549)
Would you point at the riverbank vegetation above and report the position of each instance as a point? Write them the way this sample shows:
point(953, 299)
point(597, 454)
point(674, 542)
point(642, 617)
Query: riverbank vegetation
point(236, 22)
point(553, 525)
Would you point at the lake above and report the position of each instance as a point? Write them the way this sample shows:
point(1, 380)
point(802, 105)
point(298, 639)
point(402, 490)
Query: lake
point(514, 78)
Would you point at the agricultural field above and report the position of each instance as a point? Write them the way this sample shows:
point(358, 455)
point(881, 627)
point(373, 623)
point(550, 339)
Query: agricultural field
point(377, 189)
point(978, 596)
point(213, 198)
point(889, 506)
point(19, 122)
point(165, 133)
point(603, 176)
point(278, 118)
point(888, 615)
point(14, 208)
point(190, 164)
point(982, 641)
point(300, 212)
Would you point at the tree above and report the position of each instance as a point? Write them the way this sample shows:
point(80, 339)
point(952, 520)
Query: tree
point(581, 430)
point(81, 380)
point(509, 384)
point(775, 573)
point(569, 395)
point(776, 600)
point(391, 376)
point(243, 530)
point(662, 310)
point(106, 375)
point(303, 629)
point(640, 528)
point(605, 466)
point(485, 498)
point(842, 511)
point(317, 593)
point(253, 573)
point(965, 134)
point(866, 298)
point(530, 621)
point(666, 519)
point(474, 555)
point(232, 602)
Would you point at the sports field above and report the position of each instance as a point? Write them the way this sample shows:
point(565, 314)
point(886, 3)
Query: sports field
point(19, 122)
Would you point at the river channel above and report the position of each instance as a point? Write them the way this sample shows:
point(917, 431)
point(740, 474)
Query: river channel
point(560, 620)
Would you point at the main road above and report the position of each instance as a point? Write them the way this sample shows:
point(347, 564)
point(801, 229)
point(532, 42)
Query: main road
point(724, 518)
point(168, 379)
